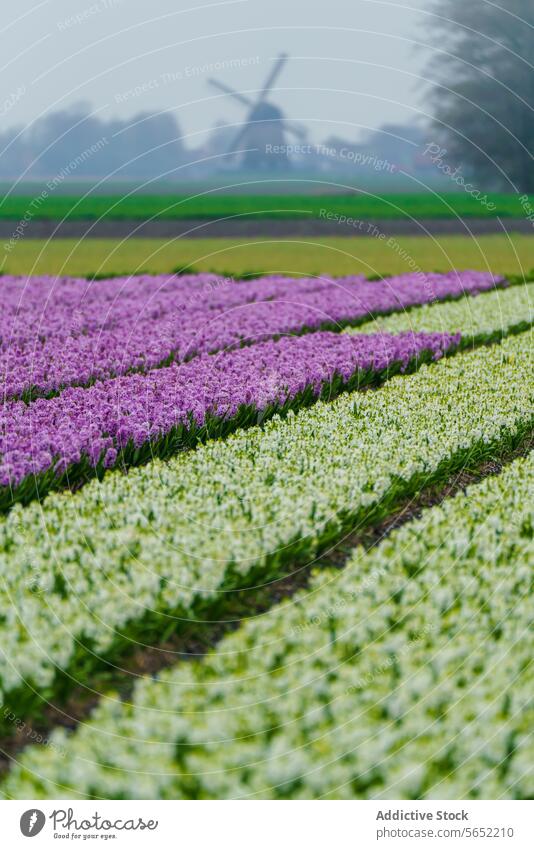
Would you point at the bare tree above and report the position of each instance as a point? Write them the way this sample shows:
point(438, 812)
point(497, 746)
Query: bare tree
point(483, 92)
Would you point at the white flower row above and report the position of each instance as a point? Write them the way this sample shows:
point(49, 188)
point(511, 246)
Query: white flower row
point(84, 575)
point(408, 674)
point(485, 315)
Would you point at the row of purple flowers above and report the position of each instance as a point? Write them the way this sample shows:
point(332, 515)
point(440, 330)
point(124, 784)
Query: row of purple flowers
point(129, 418)
point(59, 307)
point(167, 319)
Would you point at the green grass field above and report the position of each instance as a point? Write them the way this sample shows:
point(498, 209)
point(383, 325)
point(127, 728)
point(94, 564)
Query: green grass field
point(51, 205)
point(506, 254)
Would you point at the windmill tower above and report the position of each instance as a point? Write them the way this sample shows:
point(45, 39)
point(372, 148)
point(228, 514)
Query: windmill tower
point(264, 127)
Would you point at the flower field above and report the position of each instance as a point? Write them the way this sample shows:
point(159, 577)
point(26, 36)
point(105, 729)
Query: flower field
point(291, 706)
point(71, 333)
point(267, 538)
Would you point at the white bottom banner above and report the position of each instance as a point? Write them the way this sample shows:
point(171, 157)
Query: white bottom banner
point(264, 825)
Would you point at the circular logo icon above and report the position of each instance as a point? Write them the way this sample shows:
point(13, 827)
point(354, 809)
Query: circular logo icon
point(32, 822)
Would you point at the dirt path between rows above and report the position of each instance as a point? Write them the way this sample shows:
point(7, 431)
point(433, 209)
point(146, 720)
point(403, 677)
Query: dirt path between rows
point(268, 228)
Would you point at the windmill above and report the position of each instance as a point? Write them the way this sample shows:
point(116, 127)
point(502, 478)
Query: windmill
point(264, 128)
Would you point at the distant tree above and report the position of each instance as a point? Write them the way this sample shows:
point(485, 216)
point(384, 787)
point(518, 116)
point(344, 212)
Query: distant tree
point(76, 145)
point(483, 94)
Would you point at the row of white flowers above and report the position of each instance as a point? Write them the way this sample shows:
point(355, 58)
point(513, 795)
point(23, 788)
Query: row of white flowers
point(83, 576)
point(408, 674)
point(475, 318)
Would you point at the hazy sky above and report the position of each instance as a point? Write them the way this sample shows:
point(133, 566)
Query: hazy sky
point(355, 64)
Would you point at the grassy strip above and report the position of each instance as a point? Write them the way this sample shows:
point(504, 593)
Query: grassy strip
point(86, 577)
point(474, 318)
point(280, 207)
point(407, 675)
point(510, 254)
